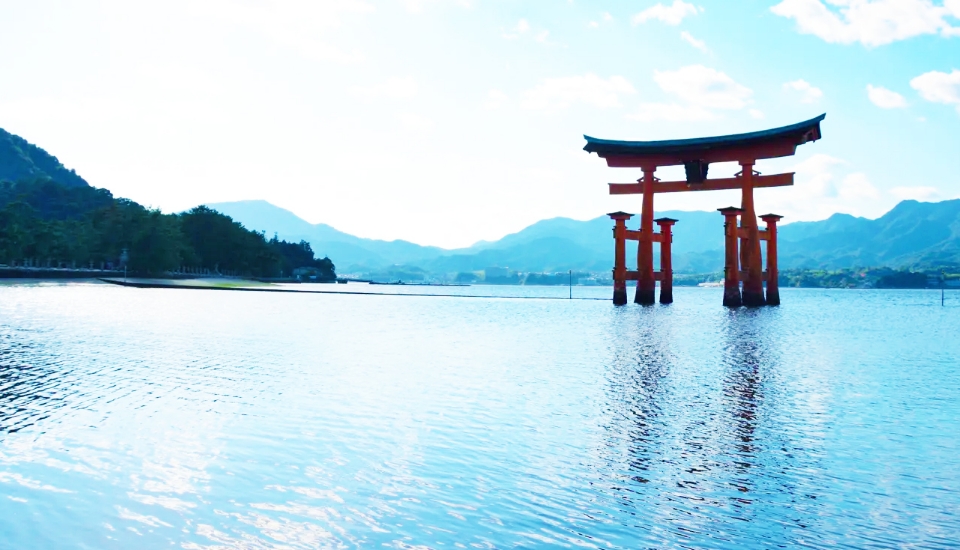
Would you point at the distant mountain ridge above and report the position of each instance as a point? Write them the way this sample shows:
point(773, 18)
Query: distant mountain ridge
point(21, 160)
point(911, 234)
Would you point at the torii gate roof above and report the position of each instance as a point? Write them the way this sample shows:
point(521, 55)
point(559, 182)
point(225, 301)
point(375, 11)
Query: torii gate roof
point(775, 142)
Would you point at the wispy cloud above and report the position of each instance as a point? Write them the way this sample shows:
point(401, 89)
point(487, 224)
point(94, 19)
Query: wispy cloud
point(939, 87)
point(884, 98)
point(495, 100)
point(698, 44)
point(393, 88)
point(807, 92)
point(560, 93)
point(700, 91)
point(872, 23)
point(671, 15)
point(522, 27)
point(295, 25)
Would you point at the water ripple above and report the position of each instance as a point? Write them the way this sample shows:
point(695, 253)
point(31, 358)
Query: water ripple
point(145, 418)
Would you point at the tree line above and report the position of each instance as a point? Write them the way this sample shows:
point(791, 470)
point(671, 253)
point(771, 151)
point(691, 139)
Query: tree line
point(44, 223)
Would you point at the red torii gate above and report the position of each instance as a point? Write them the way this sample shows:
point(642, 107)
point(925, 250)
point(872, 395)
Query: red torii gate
point(696, 155)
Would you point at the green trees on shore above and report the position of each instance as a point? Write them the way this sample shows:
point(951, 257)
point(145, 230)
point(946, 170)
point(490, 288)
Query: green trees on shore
point(48, 224)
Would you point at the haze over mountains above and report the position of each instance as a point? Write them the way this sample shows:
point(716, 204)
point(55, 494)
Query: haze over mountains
point(911, 234)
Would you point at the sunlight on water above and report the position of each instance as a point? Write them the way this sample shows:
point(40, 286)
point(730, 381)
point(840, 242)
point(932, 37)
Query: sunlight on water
point(135, 418)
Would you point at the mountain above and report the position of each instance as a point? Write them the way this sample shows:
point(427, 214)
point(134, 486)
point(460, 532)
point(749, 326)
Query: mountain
point(21, 160)
point(344, 249)
point(912, 233)
point(922, 234)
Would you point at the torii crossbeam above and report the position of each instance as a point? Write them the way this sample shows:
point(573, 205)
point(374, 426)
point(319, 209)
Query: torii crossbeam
point(696, 155)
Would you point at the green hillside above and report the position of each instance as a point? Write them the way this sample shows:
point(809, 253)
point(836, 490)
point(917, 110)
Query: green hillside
point(21, 160)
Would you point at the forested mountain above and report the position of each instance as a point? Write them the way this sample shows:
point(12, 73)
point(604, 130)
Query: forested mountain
point(51, 217)
point(912, 234)
point(43, 223)
point(921, 234)
point(21, 160)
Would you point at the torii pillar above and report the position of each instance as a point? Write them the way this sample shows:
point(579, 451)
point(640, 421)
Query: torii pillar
point(731, 268)
point(666, 259)
point(620, 257)
point(750, 242)
point(773, 283)
point(647, 282)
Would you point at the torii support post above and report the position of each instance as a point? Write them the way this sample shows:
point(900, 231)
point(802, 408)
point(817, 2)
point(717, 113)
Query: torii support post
point(731, 270)
point(620, 257)
point(666, 260)
point(646, 282)
point(773, 284)
point(750, 242)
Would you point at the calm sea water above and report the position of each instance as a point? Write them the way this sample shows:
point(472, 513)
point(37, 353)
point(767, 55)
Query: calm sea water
point(137, 418)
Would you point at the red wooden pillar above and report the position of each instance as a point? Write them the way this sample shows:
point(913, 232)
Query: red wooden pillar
point(750, 250)
point(646, 283)
point(731, 270)
point(620, 257)
point(773, 284)
point(666, 261)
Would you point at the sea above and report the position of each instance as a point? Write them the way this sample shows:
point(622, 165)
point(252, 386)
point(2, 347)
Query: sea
point(502, 417)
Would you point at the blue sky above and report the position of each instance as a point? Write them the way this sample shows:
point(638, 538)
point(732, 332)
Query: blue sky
point(446, 121)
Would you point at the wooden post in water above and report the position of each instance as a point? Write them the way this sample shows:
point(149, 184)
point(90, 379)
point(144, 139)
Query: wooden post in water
point(750, 242)
point(666, 260)
point(731, 270)
point(620, 257)
point(773, 282)
point(646, 281)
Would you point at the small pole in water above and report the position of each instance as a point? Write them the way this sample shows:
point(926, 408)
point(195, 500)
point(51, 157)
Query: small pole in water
point(571, 285)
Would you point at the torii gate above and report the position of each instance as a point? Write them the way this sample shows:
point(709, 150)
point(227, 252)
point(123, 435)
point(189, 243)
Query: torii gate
point(696, 155)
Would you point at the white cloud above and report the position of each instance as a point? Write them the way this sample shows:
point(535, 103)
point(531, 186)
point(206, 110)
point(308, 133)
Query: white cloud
point(856, 187)
point(560, 93)
point(673, 112)
point(416, 6)
point(939, 87)
point(495, 100)
point(414, 122)
point(870, 22)
point(605, 16)
point(919, 193)
point(394, 88)
point(823, 188)
point(520, 28)
point(542, 36)
point(756, 113)
point(671, 15)
point(808, 93)
point(700, 90)
point(884, 98)
point(698, 44)
point(294, 25)
point(704, 87)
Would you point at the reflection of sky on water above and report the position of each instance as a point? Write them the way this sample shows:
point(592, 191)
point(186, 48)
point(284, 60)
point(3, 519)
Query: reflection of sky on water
point(209, 420)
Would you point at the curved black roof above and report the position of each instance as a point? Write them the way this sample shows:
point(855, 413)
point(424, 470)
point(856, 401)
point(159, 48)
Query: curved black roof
point(801, 132)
